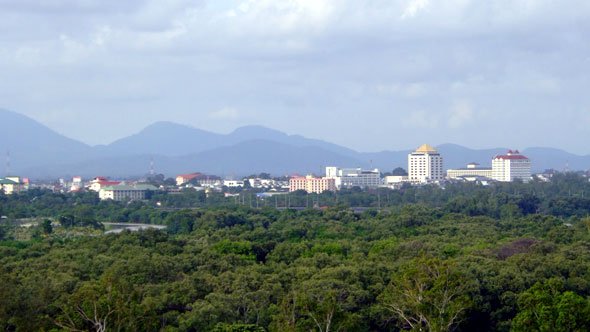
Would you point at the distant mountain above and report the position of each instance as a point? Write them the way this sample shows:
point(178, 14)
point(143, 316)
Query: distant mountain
point(557, 159)
point(163, 138)
point(248, 133)
point(259, 155)
point(244, 158)
point(456, 156)
point(31, 144)
point(171, 139)
point(37, 151)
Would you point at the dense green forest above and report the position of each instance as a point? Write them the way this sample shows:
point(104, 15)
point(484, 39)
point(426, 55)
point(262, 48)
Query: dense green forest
point(463, 257)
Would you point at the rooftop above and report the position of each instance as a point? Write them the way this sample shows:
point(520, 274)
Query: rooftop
point(7, 181)
point(138, 187)
point(511, 155)
point(425, 148)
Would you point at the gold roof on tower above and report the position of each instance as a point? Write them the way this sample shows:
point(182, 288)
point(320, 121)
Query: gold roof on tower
point(425, 148)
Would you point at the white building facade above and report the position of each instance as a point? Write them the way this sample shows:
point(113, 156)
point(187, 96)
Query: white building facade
point(472, 170)
point(425, 165)
point(511, 166)
point(125, 192)
point(354, 177)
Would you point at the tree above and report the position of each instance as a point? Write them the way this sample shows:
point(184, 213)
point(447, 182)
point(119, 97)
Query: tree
point(544, 307)
point(47, 227)
point(428, 293)
point(399, 172)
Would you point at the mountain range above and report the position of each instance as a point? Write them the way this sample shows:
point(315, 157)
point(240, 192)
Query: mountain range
point(39, 152)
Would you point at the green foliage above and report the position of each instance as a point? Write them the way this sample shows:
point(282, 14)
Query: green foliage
point(428, 293)
point(221, 327)
point(547, 307)
point(46, 226)
point(466, 258)
point(240, 248)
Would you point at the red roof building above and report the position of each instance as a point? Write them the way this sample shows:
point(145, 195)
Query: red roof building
point(511, 166)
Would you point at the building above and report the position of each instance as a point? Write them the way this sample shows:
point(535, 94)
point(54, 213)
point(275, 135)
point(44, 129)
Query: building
point(511, 166)
point(354, 177)
point(186, 178)
point(425, 165)
point(312, 184)
point(76, 184)
point(472, 171)
point(100, 182)
point(203, 180)
point(11, 184)
point(233, 183)
point(126, 192)
point(394, 179)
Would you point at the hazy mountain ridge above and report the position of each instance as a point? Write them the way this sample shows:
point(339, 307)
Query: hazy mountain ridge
point(39, 152)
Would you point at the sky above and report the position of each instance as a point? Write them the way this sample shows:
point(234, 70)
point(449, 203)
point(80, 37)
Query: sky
point(371, 75)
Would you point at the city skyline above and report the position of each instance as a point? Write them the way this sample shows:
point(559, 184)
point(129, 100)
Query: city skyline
point(378, 76)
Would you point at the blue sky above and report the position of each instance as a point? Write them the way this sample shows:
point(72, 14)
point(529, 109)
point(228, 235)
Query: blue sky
point(371, 75)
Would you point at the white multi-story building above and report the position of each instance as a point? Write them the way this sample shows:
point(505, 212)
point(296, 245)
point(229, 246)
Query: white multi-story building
point(425, 165)
point(511, 166)
point(125, 192)
point(354, 177)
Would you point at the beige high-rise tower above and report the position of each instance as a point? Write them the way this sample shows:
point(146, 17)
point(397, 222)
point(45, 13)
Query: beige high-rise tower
point(425, 165)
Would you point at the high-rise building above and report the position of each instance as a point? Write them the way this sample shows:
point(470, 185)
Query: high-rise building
point(425, 165)
point(354, 177)
point(511, 166)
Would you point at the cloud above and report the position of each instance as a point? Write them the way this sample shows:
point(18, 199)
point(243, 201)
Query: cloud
point(421, 119)
point(226, 113)
point(461, 113)
point(398, 61)
point(406, 90)
point(414, 7)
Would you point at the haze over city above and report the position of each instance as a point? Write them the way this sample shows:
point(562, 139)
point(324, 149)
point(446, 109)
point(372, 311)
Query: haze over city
point(369, 76)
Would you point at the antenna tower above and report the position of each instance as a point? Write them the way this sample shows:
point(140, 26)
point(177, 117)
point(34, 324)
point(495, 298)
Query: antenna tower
point(152, 170)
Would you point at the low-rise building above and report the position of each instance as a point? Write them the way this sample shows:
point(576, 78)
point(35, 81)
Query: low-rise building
point(100, 182)
point(186, 178)
point(395, 179)
point(473, 170)
point(233, 183)
point(126, 192)
point(354, 177)
point(11, 185)
point(312, 184)
point(77, 184)
point(201, 179)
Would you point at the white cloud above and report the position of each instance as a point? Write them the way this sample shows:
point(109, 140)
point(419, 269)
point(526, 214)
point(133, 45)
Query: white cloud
point(226, 113)
point(460, 114)
point(414, 7)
